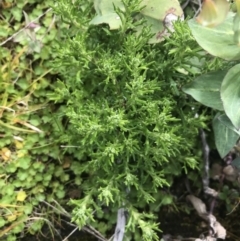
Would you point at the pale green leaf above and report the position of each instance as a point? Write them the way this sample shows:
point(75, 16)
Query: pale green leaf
point(218, 41)
point(206, 89)
point(230, 94)
point(160, 15)
point(112, 19)
point(225, 138)
point(227, 122)
point(236, 162)
point(106, 13)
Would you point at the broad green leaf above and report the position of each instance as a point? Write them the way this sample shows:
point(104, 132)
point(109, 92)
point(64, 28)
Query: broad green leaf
point(230, 95)
point(106, 13)
point(225, 138)
point(160, 15)
point(227, 122)
point(218, 41)
point(206, 89)
point(236, 29)
point(103, 7)
point(236, 162)
point(112, 19)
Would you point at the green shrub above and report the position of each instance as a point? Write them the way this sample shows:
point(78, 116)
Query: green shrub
point(133, 129)
point(127, 128)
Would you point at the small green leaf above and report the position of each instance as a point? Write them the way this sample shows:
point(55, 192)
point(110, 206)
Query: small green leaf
point(17, 13)
point(40, 197)
point(230, 94)
point(225, 138)
point(24, 162)
point(167, 200)
point(4, 31)
point(22, 175)
point(2, 222)
point(206, 89)
point(2, 183)
point(35, 226)
point(28, 208)
point(60, 194)
point(18, 228)
point(11, 167)
point(222, 195)
point(9, 189)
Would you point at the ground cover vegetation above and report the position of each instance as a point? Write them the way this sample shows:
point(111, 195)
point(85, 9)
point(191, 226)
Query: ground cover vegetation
point(97, 118)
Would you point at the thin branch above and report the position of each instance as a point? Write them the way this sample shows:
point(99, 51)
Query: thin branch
point(199, 8)
point(206, 151)
point(62, 209)
point(49, 27)
point(184, 5)
point(74, 230)
point(15, 34)
point(88, 228)
point(111, 238)
point(57, 210)
point(120, 227)
point(48, 222)
point(94, 232)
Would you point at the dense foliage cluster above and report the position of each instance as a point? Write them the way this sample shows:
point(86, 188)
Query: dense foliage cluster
point(93, 117)
point(133, 127)
point(31, 160)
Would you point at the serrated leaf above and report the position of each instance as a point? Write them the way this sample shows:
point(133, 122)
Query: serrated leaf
point(225, 138)
point(230, 94)
point(21, 196)
point(206, 89)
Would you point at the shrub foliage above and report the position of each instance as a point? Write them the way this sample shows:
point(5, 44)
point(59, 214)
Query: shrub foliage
point(95, 111)
point(133, 129)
